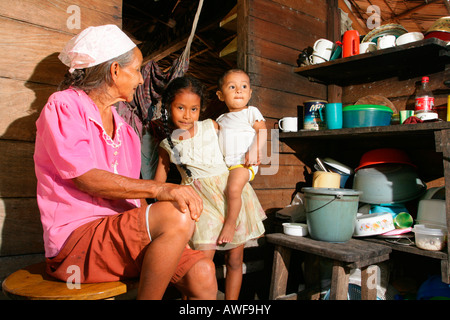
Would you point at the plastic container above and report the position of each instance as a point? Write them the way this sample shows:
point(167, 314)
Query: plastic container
point(366, 115)
point(430, 238)
point(373, 224)
point(331, 213)
point(432, 212)
point(295, 229)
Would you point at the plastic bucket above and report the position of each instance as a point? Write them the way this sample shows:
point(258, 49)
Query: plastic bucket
point(331, 213)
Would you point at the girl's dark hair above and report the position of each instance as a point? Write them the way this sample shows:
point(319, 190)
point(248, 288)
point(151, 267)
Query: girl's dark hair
point(94, 77)
point(173, 88)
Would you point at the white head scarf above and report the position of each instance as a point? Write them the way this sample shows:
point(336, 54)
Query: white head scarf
point(95, 45)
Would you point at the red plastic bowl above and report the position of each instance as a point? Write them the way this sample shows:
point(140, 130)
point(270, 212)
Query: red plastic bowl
point(383, 156)
point(443, 35)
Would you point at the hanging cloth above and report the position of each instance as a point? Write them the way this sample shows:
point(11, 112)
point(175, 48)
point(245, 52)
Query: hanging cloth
point(146, 104)
point(142, 113)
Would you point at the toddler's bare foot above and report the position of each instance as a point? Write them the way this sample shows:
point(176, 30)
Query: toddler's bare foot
point(227, 233)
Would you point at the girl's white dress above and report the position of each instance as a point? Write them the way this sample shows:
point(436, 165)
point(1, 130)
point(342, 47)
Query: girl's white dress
point(201, 154)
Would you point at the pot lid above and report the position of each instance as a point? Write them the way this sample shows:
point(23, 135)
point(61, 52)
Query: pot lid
point(363, 107)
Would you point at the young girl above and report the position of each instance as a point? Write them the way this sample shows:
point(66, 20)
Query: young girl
point(193, 146)
point(242, 136)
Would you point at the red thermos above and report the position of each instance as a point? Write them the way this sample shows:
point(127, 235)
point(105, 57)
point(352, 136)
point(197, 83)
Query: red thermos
point(351, 43)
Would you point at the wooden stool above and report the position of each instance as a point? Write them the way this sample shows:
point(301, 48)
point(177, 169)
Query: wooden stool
point(351, 254)
point(33, 283)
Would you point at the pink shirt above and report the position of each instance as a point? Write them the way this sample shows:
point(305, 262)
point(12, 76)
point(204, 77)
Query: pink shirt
point(70, 141)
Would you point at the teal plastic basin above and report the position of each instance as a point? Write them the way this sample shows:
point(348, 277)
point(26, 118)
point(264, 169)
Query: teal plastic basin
point(366, 115)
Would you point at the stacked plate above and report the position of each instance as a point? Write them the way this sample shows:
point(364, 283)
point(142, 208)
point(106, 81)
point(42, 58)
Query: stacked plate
point(387, 29)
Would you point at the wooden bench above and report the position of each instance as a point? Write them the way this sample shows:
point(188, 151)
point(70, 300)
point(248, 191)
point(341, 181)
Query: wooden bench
point(33, 283)
point(351, 254)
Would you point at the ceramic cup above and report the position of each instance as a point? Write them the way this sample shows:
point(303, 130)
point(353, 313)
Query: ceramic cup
point(405, 114)
point(367, 47)
point(322, 179)
point(386, 41)
point(333, 115)
point(322, 49)
point(288, 124)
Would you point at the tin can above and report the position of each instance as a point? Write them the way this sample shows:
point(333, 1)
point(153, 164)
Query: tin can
point(314, 115)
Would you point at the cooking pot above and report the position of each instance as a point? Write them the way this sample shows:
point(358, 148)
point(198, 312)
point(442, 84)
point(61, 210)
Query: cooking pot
point(388, 183)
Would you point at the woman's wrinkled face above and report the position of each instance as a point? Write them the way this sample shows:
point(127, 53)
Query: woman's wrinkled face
point(129, 77)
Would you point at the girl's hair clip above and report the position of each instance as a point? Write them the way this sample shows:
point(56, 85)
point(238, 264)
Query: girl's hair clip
point(164, 113)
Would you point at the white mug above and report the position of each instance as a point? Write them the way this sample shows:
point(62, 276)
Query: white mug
point(288, 124)
point(323, 49)
point(386, 41)
point(315, 59)
point(367, 47)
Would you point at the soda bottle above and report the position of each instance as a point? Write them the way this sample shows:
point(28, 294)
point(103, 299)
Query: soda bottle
point(424, 106)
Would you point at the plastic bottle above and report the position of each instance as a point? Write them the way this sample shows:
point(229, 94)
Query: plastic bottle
point(424, 106)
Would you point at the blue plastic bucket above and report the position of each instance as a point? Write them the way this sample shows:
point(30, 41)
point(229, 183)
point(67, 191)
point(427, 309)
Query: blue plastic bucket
point(331, 213)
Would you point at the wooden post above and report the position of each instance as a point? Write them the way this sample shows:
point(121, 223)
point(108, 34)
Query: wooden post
point(280, 272)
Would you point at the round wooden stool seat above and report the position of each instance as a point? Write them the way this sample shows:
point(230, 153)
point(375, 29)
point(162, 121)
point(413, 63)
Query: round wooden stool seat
point(33, 283)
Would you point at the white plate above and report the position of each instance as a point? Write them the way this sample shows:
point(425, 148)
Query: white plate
point(337, 165)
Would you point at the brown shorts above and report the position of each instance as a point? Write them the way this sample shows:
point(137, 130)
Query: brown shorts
point(111, 249)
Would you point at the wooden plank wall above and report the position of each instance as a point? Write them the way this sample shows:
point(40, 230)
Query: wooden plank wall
point(32, 32)
point(271, 34)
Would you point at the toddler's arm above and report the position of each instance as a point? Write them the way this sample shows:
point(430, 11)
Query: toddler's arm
point(254, 154)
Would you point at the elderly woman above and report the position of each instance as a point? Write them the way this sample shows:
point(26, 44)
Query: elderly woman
point(87, 162)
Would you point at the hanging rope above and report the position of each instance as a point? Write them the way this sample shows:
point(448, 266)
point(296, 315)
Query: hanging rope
point(187, 50)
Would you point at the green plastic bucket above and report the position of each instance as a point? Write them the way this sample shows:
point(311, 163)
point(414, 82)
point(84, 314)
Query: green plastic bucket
point(331, 213)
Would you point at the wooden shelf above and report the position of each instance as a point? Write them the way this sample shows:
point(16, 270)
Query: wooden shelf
point(230, 49)
point(229, 22)
point(407, 135)
point(406, 61)
point(401, 130)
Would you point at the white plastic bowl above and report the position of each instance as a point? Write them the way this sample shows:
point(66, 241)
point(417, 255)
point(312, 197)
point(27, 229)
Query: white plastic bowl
point(295, 229)
point(409, 37)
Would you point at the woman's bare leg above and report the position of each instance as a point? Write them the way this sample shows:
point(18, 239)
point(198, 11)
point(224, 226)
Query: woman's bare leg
point(170, 230)
point(200, 281)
